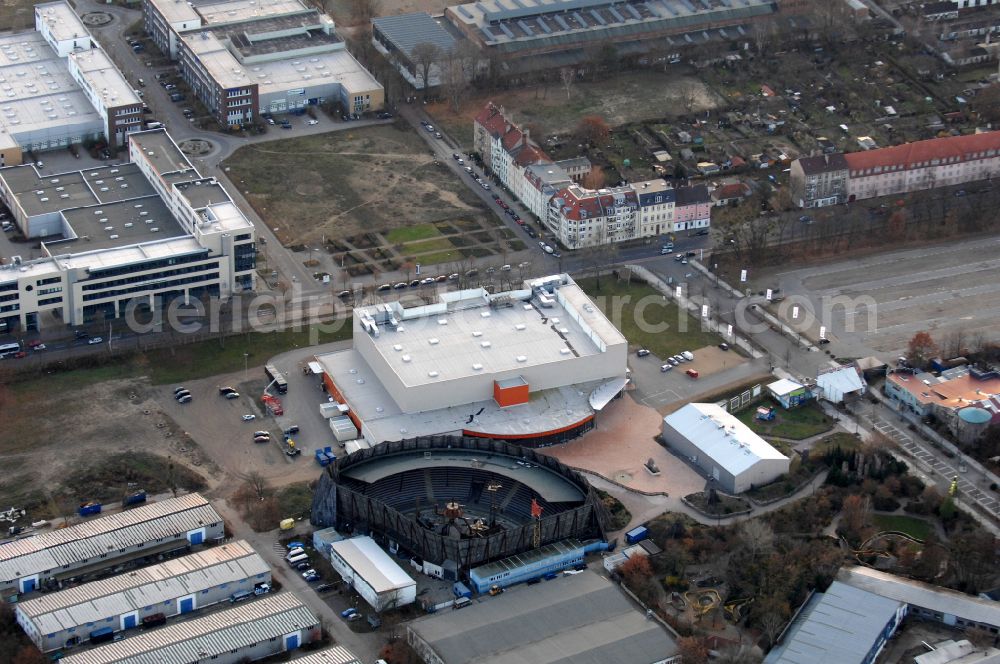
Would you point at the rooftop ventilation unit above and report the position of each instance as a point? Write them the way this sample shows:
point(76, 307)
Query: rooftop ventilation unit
point(477, 367)
point(477, 333)
point(519, 327)
point(485, 314)
point(397, 348)
point(434, 341)
point(433, 374)
point(407, 358)
point(522, 358)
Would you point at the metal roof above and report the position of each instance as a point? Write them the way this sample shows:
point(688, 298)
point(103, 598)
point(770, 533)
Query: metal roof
point(839, 626)
point(334, 655)
point(583, 619)
point(729, 442)
point(407, 30)
point(924, 595)
point(120, 594)
point(372, 564)
point(784, 386)
point(99, 536)
point(201, 639)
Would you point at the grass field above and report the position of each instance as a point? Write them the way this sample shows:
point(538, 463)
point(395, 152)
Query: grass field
point(412, 233)
point(638, 310)
point(844, 441)
point(915, 528)
point(380, 179)
point(796, 424)
point(428, 246)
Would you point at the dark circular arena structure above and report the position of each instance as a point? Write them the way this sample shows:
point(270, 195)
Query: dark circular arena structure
point(466, 500)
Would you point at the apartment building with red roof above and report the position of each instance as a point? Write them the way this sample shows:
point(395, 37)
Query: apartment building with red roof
point(938, 162)
point(581, 217)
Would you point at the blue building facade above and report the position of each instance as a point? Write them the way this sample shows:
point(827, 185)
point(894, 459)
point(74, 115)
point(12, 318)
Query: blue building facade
point(532, 564)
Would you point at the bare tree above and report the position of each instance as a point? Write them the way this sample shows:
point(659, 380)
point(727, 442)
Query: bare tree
point(425, 55)
point(757, 535)
point(567, 76)
point(362, 11)
point(761, 34)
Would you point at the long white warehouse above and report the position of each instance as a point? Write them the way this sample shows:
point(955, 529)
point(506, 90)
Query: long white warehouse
point(378, 579)
point(65, 618)
point(725, 448)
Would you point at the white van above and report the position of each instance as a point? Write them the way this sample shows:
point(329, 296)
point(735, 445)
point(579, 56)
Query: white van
point(301, 558)
point(688, 355)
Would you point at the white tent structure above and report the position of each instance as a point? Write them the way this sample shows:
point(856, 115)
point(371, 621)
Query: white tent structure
point(837, 384)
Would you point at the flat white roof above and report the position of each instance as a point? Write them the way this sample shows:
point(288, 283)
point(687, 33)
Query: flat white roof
point(63, 22)
point(217, 13)
point(721, 436)
point(471, 332)
point(372, 564)
point(37, 93)
point(105, 79)
point(784, 386)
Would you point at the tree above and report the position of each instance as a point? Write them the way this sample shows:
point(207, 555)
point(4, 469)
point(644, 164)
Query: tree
point(974, 559)
point(921, 349)
point(567, 76)
point(29, 655)
point(987, 103)
point(362, 11)
point(772, 612)
point(593, 129)
point(757, 535)
point(855, 518)
point(692, 650)
point(636, 571)
point(595, 179)
point(425, 55)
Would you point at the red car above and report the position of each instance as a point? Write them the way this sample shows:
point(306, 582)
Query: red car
point(692, 373)
point(36, 342)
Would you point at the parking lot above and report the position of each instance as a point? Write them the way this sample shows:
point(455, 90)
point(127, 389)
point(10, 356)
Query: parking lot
point(898, 293)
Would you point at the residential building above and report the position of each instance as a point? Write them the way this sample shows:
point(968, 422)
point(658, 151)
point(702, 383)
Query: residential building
point(937, 162)
point(250, 631)
point(581, 217)
point(692, 208)
point(541, 183)
point(121, 235)
point(397, 36)
point(532, 364)
point(243, 58)
point(722, 446)
point(657, 202)
point(844, 625)
point(730, 193)
point(372, 573)
point(61, 89)
point(532, 27)
point(154, 528)
point(585, 619)
point(178, 586)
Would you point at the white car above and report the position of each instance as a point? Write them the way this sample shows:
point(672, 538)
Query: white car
point(95, 340)
point(313, 122)
point(249, 417)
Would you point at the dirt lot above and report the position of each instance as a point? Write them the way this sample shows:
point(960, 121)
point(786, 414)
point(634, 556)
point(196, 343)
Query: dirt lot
point(90, 444)
point(375, 196)
point(17, 14)
point(628, 97)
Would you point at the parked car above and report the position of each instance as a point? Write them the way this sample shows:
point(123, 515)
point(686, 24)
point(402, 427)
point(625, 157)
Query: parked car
point(724, 346)
point(186, 398)
point(693, 373)
point(429, 128)
point(383, 288)
point(666, 367)
point(672, 362)
point(178, 390)
point(312, 122)
point(348, 612)
point(292, 430)
point(95, 340)
point(232, 395)
point(249, 417)
point(823, 341)
point(642, 352)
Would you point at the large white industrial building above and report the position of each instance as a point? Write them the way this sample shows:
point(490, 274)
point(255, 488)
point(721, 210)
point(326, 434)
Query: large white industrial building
point(253, 630)
point(121, 234)
point(178, 586)
point(533, 364)
point(722, 446)
point(372, 573)
point(171, 524)
point(59, 88)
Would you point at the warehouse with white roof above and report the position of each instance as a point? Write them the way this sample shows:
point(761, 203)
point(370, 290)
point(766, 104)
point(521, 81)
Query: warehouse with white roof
point(722, 446)
point(167, 525)
point(369, 570)
point(248, 632)
point(178, 586)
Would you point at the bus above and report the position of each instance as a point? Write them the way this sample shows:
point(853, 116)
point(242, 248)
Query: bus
point(9, 349)
point(277, 378)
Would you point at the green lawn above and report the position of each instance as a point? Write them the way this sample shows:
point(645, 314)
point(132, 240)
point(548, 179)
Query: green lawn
point(640, 311)
point(428, 246)
point(412, 233)
point(915, 528)
point(797, 423)
point(844, 441)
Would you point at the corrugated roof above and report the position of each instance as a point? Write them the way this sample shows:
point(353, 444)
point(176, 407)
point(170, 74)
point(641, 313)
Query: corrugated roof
point(193, 640)
point(334, 655)
point(405, 31)
point(106, 534)
point(579, 619)
point(147, 586)
point(729, 442)
point(372, 564)
point(839, 626)
point(923, 595)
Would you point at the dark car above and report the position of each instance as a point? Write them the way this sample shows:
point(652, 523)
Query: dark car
point(823, 342)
